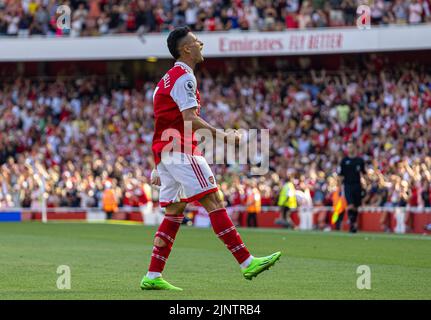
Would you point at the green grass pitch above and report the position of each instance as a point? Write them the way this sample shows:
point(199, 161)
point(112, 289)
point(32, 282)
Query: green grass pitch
point(107, 262)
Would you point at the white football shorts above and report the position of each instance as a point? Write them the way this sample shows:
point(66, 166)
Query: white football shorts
point(184, 178)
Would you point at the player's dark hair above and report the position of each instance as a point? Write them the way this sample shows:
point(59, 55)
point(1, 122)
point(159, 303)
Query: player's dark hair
point(174, 38)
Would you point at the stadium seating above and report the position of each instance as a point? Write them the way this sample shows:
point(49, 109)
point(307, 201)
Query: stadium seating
point(101, 17)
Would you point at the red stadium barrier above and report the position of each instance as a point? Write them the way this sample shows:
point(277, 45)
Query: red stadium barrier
point(371, 219)
point(135, 216)
point(66, 215)
point(419, 221)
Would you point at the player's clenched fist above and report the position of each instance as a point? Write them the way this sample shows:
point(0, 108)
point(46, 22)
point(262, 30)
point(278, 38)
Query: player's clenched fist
point(155, 179)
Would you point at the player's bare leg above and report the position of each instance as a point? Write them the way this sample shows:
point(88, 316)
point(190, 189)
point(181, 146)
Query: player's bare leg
point(163, 242)
point(226, 232)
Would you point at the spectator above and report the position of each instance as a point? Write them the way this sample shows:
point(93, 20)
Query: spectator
point(191, 14)
point(291, 20)
point(13, 20)
point(401, 11)
point(349, 9)
point(254, 203)
point(304, 16)
point(415, 12)
point(109, 201)
point(250, 15)
point(377, 12)
point(319, 19)
point(287, 203)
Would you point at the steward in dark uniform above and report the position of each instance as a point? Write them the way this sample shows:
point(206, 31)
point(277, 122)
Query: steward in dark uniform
point(350, 170)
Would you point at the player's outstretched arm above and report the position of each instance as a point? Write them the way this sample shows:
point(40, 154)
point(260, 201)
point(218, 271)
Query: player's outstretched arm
point(199, 123)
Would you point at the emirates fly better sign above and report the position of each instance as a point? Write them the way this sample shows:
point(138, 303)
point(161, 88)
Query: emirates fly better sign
point(221, 44)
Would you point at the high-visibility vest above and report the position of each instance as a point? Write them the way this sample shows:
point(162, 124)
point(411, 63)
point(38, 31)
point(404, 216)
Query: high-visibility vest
point(254, 200)
point(108, 200)
point(287, 196)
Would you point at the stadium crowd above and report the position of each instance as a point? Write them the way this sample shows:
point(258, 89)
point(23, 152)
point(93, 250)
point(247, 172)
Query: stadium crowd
point(102, 17)
point(78, 136)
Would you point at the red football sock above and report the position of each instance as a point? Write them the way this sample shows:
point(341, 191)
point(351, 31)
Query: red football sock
point(167, 231)
point(226, 231)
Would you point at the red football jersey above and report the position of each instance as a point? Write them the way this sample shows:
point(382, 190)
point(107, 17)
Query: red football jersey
point(175, 92)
